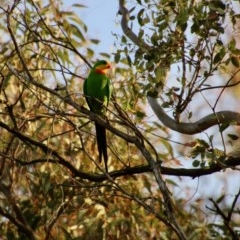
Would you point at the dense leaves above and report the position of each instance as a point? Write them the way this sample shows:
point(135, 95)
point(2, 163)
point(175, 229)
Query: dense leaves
point(51, 183)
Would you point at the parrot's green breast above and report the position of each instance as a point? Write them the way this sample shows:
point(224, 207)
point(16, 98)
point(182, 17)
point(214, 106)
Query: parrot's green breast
point(97, 91)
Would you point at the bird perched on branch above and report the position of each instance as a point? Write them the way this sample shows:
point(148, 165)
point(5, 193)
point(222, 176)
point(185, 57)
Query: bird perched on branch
point(97, 92)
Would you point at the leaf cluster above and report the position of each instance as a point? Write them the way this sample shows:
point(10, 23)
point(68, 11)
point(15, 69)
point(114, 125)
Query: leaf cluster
point(51, 183)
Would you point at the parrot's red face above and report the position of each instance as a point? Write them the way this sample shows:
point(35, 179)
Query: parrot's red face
point(102, 67)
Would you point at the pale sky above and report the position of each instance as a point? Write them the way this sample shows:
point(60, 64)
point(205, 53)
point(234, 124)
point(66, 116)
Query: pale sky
point(100, 18)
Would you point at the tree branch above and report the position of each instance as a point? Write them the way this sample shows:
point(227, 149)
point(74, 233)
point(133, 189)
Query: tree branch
point(129, 171)
point(18, 220)
point(226, 220)
point(226, 117)
point(127, 31)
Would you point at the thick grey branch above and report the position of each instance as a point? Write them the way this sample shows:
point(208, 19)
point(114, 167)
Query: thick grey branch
point(226, 117)
point(127, 31)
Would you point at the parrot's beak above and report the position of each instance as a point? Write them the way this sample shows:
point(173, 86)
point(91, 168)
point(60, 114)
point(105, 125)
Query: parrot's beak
point(108, 66)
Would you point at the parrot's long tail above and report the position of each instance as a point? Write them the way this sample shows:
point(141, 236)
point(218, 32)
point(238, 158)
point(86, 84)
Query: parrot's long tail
point(102, 144)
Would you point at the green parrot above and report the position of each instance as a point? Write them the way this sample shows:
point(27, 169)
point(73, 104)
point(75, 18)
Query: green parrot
point(97, 91)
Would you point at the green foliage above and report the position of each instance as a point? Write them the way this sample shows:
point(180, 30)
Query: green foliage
point(51, 184)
